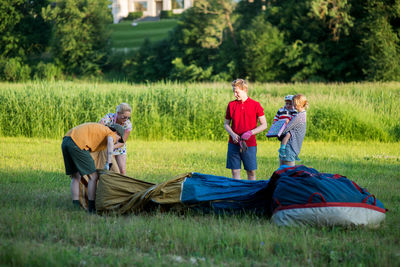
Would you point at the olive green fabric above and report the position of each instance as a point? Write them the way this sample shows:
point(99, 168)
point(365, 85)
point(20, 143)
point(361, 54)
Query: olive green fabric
point(76, 159)
point(122, 194)
point(99, 158)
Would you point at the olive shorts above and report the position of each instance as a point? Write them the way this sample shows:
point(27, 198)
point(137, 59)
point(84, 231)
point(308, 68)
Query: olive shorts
point(76, 159)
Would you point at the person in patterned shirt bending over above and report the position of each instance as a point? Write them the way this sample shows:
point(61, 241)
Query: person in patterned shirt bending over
point(121, 117)
point(294, 133)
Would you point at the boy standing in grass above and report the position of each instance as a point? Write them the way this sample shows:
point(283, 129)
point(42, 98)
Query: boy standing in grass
point(76, 147)
point(294, 133)
point(241, 119)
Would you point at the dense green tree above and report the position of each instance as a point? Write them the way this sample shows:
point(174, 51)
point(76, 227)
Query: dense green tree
point(192, 52)
point(24, 37)
point(80, 37)
point(201, 32)
point(285, 40)
point(380, 43)
point(152, 62)
point(23, 31)
point(262, 47)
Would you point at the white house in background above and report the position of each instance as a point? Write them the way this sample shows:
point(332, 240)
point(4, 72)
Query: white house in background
point(151, 8)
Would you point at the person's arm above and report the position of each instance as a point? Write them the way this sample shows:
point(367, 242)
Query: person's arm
point(285, 139)
point(119, 144)
point(294, 122)
point(110, 149)
point(228, 128)
point(126, 135)
point(263, 125)
point(258, 129)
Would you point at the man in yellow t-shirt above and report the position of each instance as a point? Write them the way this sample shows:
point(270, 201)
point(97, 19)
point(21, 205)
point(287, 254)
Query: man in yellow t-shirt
point(76, 147)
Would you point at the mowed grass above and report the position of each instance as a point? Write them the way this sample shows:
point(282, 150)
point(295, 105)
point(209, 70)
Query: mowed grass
point(38, 226)
point(124, 35)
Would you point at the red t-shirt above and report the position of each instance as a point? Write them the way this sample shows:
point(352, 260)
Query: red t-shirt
point(243, 117)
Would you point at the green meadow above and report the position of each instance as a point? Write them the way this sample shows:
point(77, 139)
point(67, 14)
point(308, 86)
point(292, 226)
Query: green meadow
point(353, 130)
point(126, 36)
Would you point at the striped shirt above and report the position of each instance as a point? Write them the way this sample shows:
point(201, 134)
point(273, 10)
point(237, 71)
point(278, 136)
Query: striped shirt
point(284, 113)
point(297, 129)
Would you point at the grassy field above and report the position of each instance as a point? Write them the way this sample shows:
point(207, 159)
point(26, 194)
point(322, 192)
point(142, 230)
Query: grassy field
point(38, 226)
point(353, 130)
point(125, 37)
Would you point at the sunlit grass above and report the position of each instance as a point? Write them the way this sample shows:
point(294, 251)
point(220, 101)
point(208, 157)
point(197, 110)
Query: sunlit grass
point(38, 226)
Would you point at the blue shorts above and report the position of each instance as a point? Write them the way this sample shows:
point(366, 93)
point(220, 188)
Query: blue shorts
point(290, 155)
point(234, 158)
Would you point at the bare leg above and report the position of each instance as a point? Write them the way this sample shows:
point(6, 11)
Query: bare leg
point(121, 161)
point(288, 163)
point(92, 184)
point(236, 174)
point(75, 179)
point(285, 139)
point(251, 175)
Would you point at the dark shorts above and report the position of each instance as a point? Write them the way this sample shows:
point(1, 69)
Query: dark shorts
point(235, 158)
point(290, 154)
point(76, 159)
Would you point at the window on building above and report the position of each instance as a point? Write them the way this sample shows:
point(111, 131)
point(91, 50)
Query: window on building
point(177, 4)
point(141, 6)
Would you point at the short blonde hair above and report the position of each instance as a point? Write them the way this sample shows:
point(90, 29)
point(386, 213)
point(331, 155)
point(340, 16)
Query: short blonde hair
point(242, 84)
point(300, 101)
point(123, 107)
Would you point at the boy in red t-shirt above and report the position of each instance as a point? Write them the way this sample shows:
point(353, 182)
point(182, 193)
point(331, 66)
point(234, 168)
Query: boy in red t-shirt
point(241, 119)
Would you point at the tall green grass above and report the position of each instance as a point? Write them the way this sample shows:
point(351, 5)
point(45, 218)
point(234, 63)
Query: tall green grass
point(39, 227)
point(173, 111)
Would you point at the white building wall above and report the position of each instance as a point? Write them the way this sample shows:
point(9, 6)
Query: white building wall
point(121, 8)
point(167, 5)
point(187, 4)
point(151, 8)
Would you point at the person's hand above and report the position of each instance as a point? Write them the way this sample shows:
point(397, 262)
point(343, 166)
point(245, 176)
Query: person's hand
point(282, 152)
point(235, 138)
point(247, 135)
point(107, 166)
point(243, 146)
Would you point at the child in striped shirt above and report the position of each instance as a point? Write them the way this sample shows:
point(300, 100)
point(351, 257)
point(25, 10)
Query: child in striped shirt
point(286, 112)
point(294, 133)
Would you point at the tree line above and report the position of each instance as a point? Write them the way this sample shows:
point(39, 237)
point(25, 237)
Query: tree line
point(215, 40)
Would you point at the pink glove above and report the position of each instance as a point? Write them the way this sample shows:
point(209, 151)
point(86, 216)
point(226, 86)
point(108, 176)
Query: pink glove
point(246, 135)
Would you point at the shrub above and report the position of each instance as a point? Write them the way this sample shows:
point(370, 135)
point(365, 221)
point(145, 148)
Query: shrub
point(15, 70)
point(167, 14)
point(134, 15)
point(47, 71)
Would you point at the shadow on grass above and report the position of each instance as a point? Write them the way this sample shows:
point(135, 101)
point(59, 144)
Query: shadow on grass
point(32, 188)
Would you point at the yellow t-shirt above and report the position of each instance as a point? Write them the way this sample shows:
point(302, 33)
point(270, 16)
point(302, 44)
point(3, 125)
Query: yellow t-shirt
point(91, 136)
